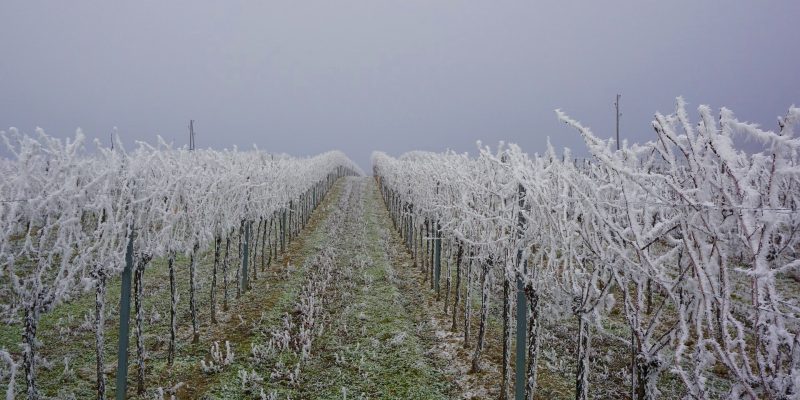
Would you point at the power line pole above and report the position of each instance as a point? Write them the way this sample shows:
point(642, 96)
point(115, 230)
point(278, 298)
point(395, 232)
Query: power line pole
point(616, 105)
point(191, 134)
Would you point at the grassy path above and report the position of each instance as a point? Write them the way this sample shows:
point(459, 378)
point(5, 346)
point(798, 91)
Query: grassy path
point(373, 348)
point(444, 347)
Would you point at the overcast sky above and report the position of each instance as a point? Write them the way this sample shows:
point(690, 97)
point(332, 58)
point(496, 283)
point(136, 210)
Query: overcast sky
point(304, 77)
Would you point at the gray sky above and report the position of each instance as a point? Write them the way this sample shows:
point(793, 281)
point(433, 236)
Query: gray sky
point(303, 77)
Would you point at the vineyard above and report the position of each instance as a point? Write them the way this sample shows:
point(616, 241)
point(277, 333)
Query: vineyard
point(664, 269)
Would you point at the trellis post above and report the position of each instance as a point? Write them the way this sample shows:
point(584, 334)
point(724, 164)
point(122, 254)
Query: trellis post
point(124, 319)
point(437, 255)
point(522, 306)
point(245, 252)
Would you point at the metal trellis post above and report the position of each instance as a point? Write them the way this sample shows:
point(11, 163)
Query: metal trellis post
point(245, 252)
point(522, 308)
point(124, 319)
point(437, 255)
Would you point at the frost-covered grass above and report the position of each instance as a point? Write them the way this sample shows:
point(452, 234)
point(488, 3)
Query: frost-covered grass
point(374, 348)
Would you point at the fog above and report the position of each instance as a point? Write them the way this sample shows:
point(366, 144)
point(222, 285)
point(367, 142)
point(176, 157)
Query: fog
point(305, 77)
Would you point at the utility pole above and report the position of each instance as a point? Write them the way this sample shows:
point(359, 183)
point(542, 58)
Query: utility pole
point(191, 134)
point(616, 105)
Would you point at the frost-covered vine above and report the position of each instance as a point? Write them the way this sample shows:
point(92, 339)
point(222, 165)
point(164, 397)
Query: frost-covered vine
point(67, 216)
point(683, 250)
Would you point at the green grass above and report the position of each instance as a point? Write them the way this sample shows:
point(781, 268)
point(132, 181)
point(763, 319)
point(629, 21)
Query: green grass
point(364, 325)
